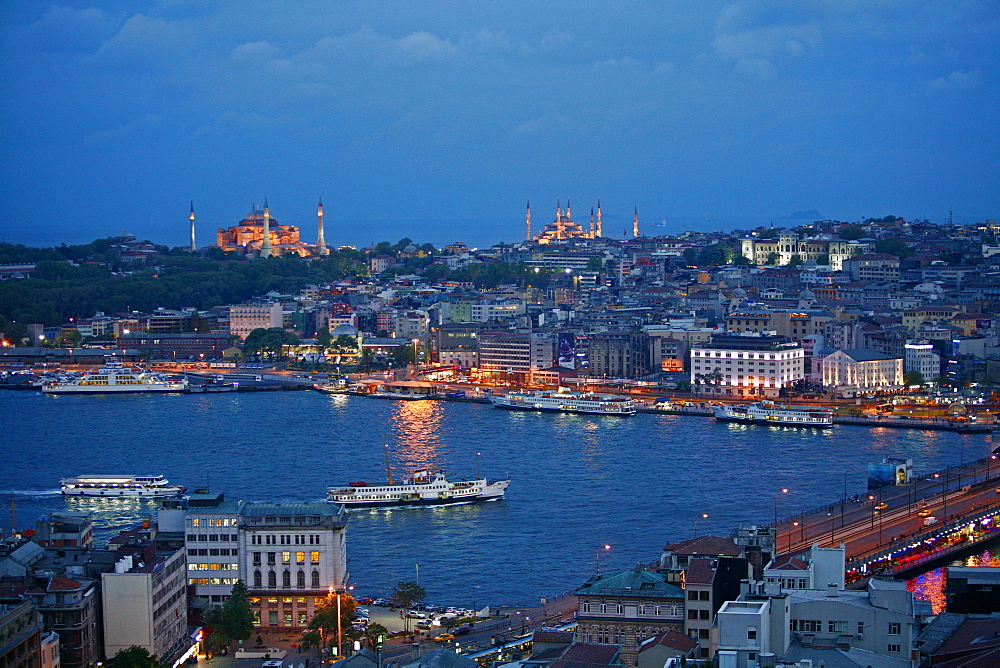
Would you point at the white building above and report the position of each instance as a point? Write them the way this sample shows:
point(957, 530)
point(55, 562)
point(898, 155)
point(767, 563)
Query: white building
point(491, 312)
point(145, 604)
point(244, 318)
point(920, 357)
point(756, 365)
point(859, 371)
point(289, 555)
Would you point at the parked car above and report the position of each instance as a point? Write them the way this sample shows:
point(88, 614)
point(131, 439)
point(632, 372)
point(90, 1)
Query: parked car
point(415, 614)
point(362, 612)
point(366, 601)
point(422, 625)
point(382, 602)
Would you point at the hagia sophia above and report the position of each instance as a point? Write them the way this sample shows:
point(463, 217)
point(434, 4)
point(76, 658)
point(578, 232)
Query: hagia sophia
point(261, 235)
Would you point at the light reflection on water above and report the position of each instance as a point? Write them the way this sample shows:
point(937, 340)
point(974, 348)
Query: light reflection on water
point(930, 586)
point(578, 482)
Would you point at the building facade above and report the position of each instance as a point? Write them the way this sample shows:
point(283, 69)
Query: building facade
point(628, 608)
point(516, 351)
point(860, 370)
point(746, 366)
point(244, 318)
point(289, 555)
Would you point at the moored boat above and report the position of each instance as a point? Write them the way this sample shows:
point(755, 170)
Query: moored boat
point(767, 412)
point(565, 401)
point(115, 377)
point(120, 486)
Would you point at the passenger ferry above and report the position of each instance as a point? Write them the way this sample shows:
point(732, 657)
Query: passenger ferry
point(115, 377)
point(767, 412)
point(425, 487)
point(120, 486)
point(566, 402)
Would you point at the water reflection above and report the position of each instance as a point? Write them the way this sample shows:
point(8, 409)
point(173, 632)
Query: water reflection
point(416, 426)
point(930, 586)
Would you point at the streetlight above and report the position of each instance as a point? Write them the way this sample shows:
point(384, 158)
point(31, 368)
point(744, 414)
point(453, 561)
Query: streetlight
point(597, 558)
point(784, 490)
point(704, 516)
point(415, 342)
point(340, 633)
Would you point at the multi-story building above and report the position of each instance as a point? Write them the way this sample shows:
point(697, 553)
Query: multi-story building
point(246, 317)
point(787, 246)
point(859, 370)
point(922, 358)
point(496, 311)
point(746, 366)
point(516, 351)
point(619, 354)
point(914, 317)
point(184, 346)
point(873, 268)
point(20, 635)
point(69, 606)
point(457, 343)
point(144, 601)
point(289, 555)
point(627, 608)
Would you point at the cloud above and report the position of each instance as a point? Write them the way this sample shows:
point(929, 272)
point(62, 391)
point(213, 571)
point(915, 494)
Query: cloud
point(421, 47)
point(253, 52)
point(957, 80)
point(143, 38)
point(127, 132)
point(752, 35)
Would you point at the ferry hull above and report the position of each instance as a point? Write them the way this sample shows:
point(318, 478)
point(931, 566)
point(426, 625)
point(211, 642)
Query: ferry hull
point(165, 492)
point(559, 409)
point(493, 491)
point(776, 422)
point(109, 389)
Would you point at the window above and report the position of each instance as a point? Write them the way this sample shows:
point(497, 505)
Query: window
point(894, 648)
point(836, 627)
point(703, 595)
point(752, 633)
point(300, 580)
point(692, 595)
point(272, 579)
point(703, 614)
point(895, 628)
point(861, 628)
point(286, 578)
point(300, 558)
point(315, 579)
point(286, 557)
point(692, 614)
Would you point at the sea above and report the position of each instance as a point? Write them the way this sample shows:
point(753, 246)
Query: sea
point(578, 483)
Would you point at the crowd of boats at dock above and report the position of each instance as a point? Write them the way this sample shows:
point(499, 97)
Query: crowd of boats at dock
point(117, 377)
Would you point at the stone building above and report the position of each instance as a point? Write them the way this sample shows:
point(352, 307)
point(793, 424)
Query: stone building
point(628, 608)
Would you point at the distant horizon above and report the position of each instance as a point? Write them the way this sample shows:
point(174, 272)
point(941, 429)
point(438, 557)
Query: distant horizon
point(441, 232)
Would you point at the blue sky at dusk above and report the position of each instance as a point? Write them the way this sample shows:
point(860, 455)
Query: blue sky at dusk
point(439, 119)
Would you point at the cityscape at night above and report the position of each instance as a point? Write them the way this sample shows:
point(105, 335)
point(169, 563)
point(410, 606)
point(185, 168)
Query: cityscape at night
point(500, 335)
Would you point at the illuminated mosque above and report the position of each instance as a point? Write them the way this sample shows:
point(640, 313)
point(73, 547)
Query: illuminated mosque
point(261, 235)
point(564, 227)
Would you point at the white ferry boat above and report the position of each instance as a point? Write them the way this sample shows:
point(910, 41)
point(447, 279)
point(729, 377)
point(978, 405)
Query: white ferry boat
point(566, 402)
point(426, 487)
point(115, 377)
point(120, 486)
point(767, 412)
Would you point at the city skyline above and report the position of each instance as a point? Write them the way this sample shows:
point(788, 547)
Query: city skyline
point(703, 116)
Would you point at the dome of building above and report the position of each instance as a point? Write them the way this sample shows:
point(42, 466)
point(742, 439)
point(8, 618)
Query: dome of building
point(739, 293)
point(340, 330)
point(807, 294)
point(256, 217)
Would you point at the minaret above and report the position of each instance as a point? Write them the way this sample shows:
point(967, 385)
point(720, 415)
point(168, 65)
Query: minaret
point(265, 249)
point(591, 222)
point(568, 214)
point(558, 210)
point(635, 223)
point(527, 223)
point(191, 218)
point(320, 239)
point(600, 226)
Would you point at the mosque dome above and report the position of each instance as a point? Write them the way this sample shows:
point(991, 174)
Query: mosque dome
point(256, 217)
point(739, 293)
point(807, 294)
point(347, 330)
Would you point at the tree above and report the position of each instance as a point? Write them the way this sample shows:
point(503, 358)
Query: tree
point(135, 657)
point(405, 595)
point(237, 616)
point(595, 264)
point(374, 634)
point(913, 378)
point(795, 260)
point(773, 257)
point(853, 232)
point(325, 619)
point(896, 247)
point(233, 620)
point(310, 640)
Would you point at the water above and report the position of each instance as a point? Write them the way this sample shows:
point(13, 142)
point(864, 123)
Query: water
point(578, 482)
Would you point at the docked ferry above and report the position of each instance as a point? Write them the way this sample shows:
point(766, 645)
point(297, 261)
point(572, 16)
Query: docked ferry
point(120, 486)
point(426, 487)
point(115, 377)
point(566, 402)
point(767, 412)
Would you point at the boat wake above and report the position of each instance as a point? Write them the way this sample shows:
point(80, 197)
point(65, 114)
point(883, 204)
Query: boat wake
point(30, 492)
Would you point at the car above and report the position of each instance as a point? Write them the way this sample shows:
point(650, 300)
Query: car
point(463, 629)
point(366, 601)
point(926, 512)
point(882, 506)
point(422, 625)
point(415, 614)
point(362, 612)
point(444, 637)
point(382, 602)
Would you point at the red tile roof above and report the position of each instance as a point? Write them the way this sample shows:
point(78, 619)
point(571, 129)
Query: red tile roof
point(671, 639)
point(712, 546)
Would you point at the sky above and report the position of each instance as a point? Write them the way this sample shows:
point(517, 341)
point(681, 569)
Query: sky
point(440, 120)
